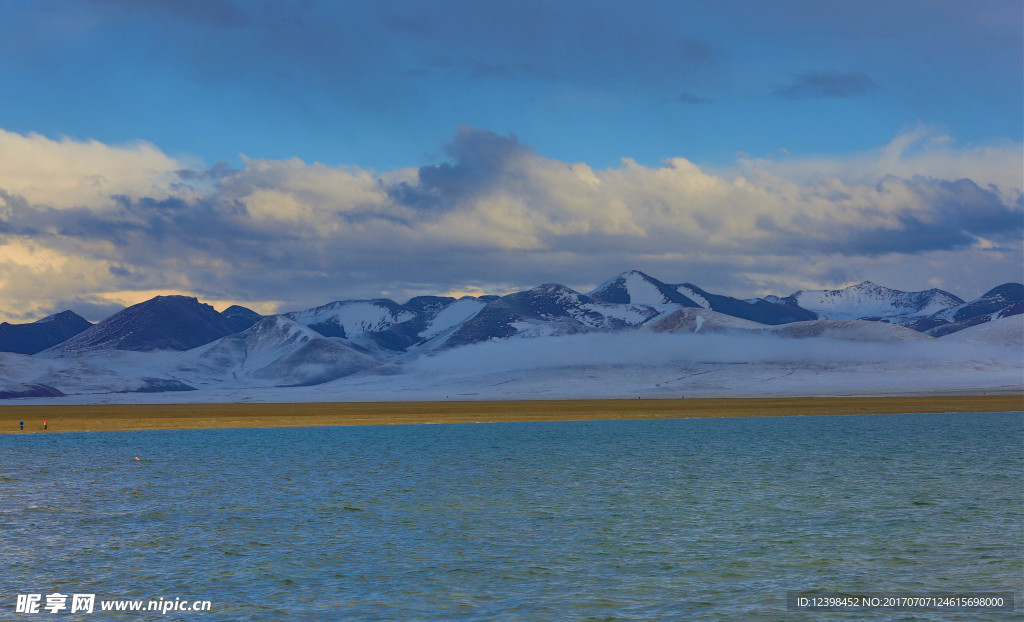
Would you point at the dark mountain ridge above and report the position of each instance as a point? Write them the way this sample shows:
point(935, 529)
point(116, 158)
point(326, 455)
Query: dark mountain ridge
point(161, 323)
point(42, 334)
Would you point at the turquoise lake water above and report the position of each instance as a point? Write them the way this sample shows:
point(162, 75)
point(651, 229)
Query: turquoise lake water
point(688, 519)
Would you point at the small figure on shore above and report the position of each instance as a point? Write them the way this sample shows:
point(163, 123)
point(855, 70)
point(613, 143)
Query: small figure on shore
point(22, 424)
point(44, 424)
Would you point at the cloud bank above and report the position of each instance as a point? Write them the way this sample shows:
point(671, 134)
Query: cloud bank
point(88, 223)
point(645, 349)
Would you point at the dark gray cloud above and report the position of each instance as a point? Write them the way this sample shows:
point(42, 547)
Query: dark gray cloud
point(481, 161)
point(958, 213)
point(828, 84)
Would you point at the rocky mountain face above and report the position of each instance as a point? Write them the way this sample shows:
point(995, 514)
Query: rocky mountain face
point(162, 323)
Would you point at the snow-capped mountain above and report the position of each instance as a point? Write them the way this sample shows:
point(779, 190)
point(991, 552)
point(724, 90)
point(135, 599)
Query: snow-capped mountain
point(1005, 332)
point(550, 309)
point(435, 318)
point(700, 320)
point(276, 351)
point(867, 301)
point(638, 288)
point(1000, 298)
point(41, 334)
point(999, 302)
point(178, 344)
point(162, 323)
point(755, 310)
point(383, 327)
point(348, 318)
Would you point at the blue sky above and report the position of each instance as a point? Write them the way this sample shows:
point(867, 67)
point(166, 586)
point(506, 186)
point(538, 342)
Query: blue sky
point(468, 125)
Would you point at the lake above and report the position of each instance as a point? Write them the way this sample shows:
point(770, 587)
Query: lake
point(697, 519)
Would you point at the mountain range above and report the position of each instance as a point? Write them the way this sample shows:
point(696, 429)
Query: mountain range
point(177, 343)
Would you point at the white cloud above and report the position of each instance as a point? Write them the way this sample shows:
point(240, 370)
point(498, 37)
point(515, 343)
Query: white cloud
point(922, 151)
point(498, 214)
point(67, 173)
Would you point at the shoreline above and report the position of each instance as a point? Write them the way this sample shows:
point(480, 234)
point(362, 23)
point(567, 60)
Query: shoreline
point(128, 417)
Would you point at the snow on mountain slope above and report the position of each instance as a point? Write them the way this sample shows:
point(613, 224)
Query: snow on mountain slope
point(991, 302)
point(640, 288)
point(647, 364)
point(22, 368)
point(1003, 301)
point(696, 320)
point(851, 330)
point(452, 315)
point(348, 318)
point(549, 309)
point(694, 296)
point(869, 301)
point(609, 316)
point(639, 363)
point(635, 287)
point(92, 376)
point(549, 341)
point(1007, 332)
point(101, 372)
point(766, 311)
point(691, 320)
point(275, 351)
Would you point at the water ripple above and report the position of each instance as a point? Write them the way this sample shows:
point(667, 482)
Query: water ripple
point(625, 520)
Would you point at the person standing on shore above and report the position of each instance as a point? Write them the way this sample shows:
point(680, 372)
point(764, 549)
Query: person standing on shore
point(22, 424)
point(44, 424)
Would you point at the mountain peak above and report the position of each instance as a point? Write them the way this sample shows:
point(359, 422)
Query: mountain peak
point(63, 316)
point(240, 317)
point(635, 287)
point(553, 287)
point(41, 334)
point(160, 323)
point(866, 300)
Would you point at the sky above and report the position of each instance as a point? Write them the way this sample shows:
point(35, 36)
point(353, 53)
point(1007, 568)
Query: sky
point(285, 154)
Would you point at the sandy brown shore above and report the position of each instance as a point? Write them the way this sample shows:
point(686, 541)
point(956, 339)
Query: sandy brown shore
point(77, 418)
